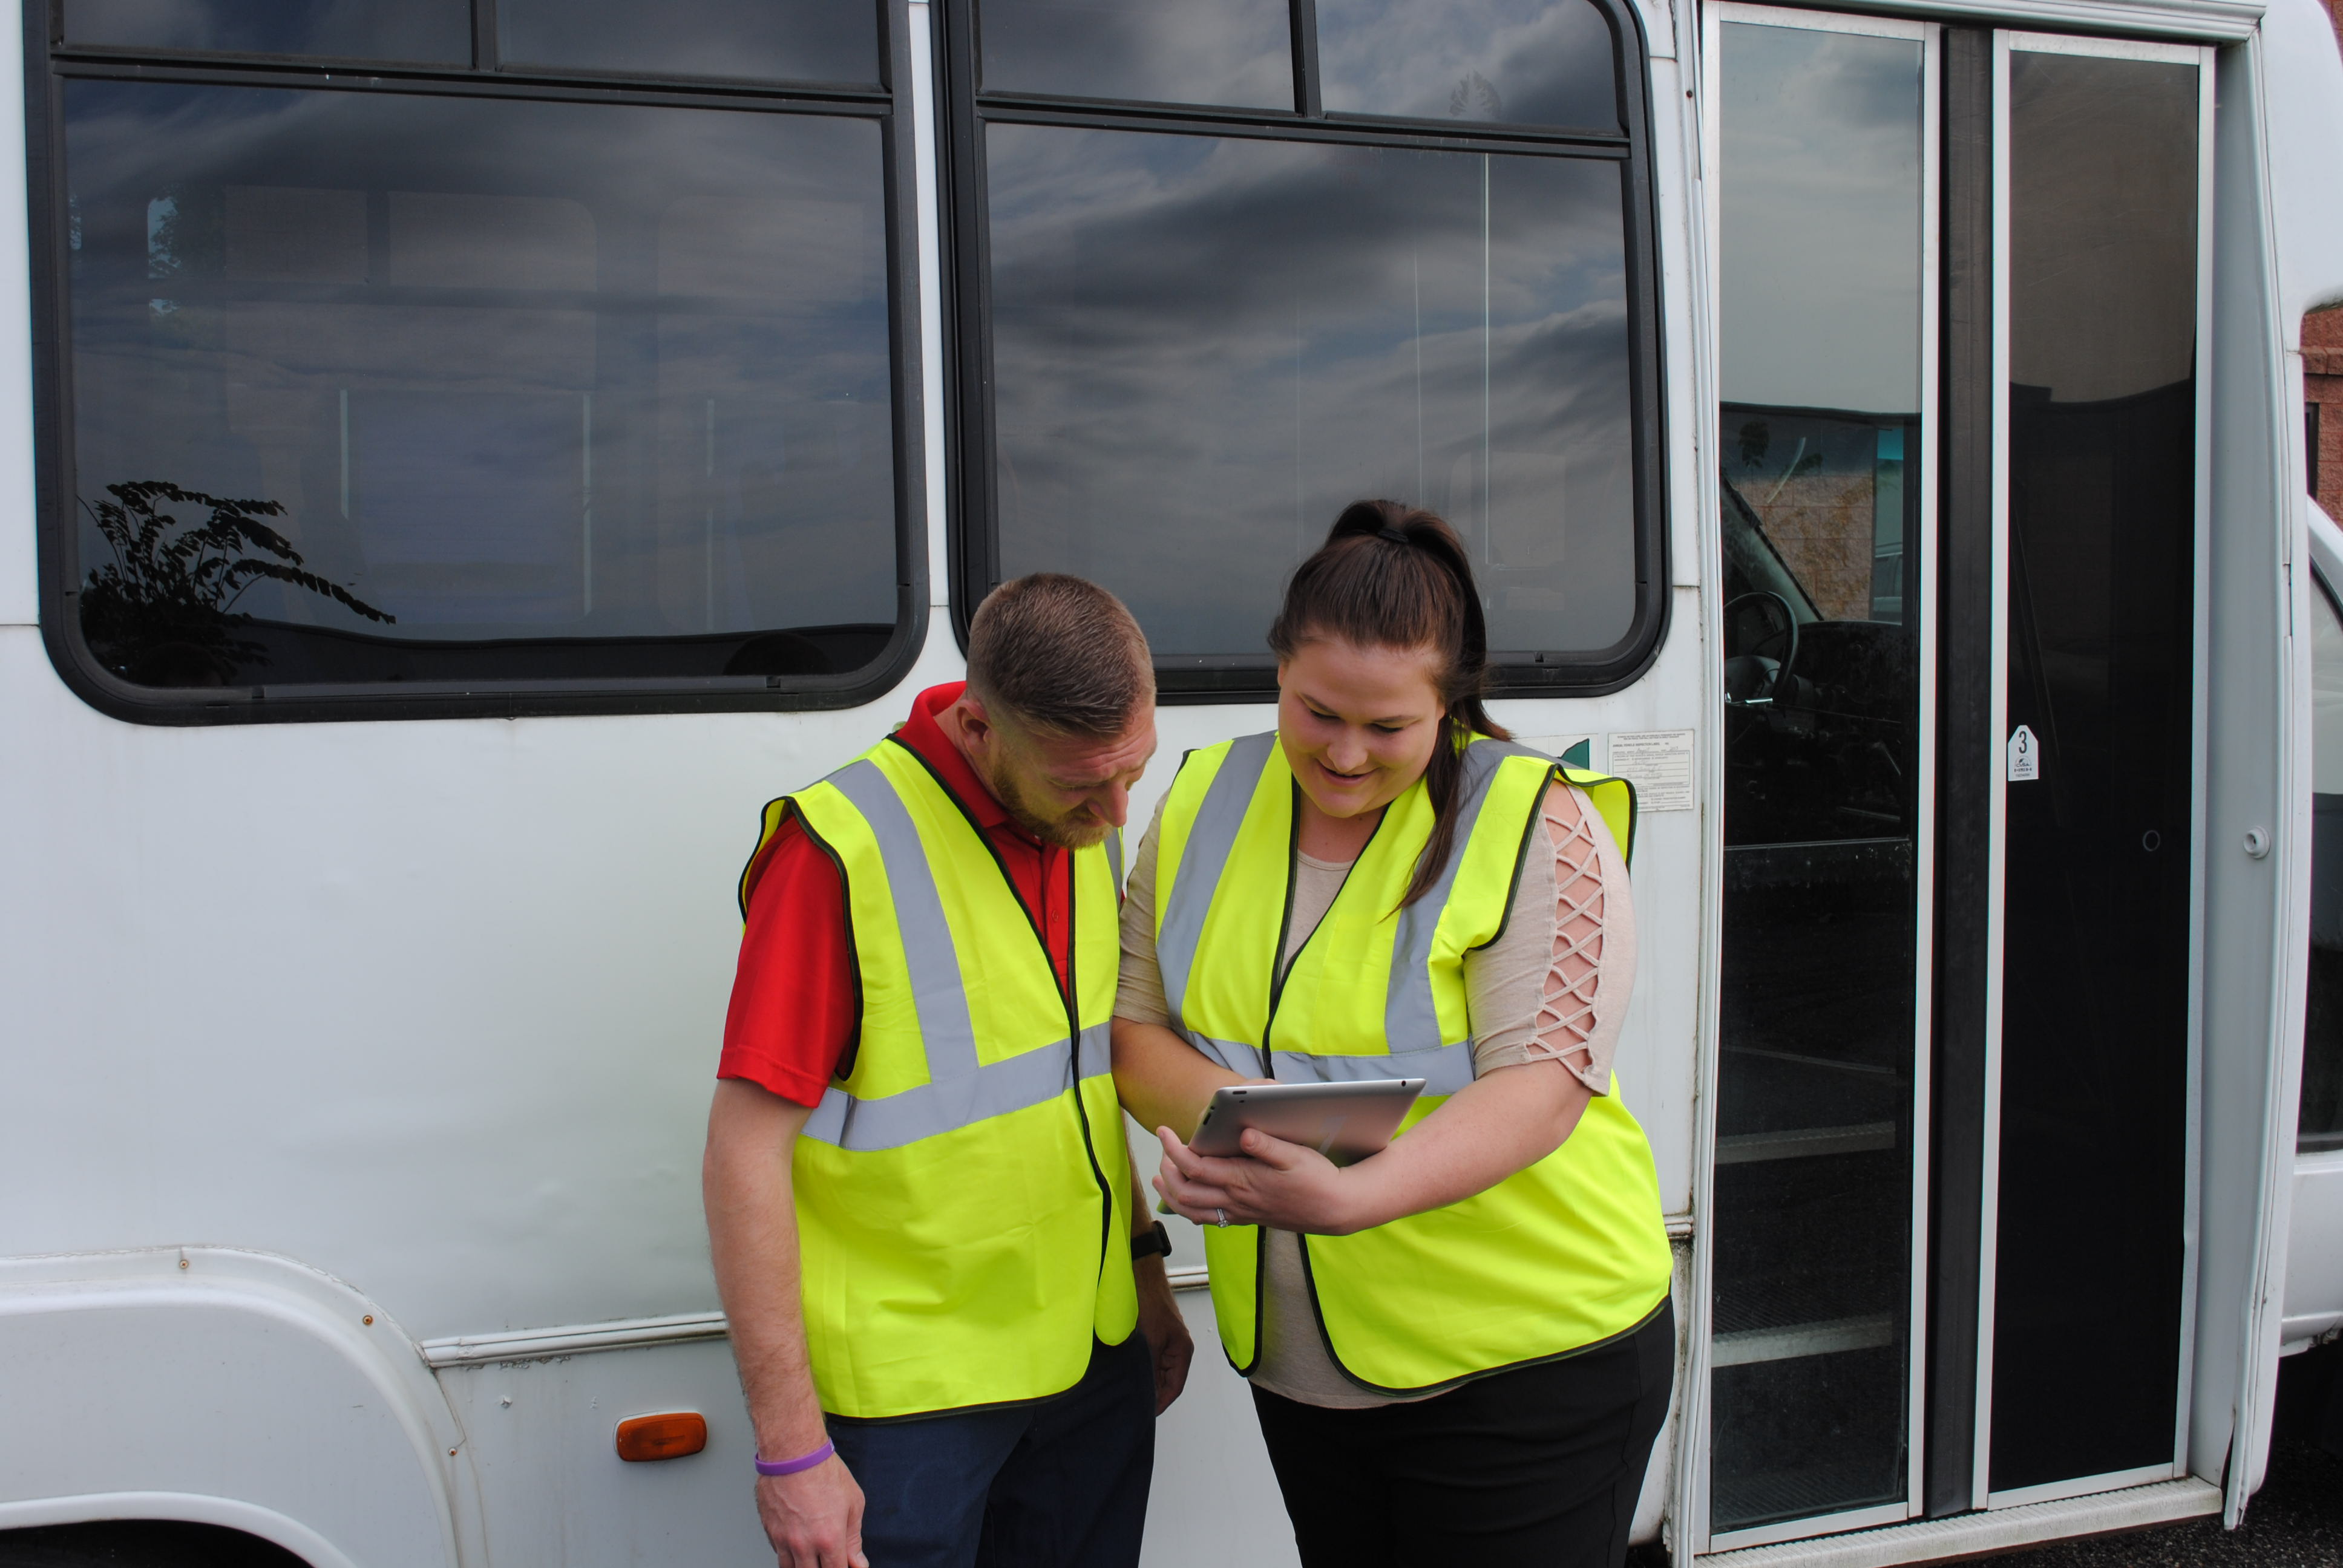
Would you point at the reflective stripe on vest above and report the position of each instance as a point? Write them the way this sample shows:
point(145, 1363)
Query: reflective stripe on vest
point(924, 1288)
point(1409, 1013)
point(1563, 1254)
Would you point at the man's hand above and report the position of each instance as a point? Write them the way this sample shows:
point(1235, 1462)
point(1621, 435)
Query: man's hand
point(1170, 1346)
point(814, 1518)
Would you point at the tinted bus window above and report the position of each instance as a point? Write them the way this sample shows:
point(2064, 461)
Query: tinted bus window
point(466, 389)
point(831, 41)
point(1233, 52)
point(1518, 62)
point(433, 31)
point(1203, 349)
point(2320, 1125)
point(1202, 341)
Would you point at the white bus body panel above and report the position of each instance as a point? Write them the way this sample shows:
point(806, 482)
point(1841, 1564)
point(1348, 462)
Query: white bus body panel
point(19, 580)
point(2290, 80)
point(2314, 1263)
point(226, 1388)
point(433, 1008)
point(552, 1492)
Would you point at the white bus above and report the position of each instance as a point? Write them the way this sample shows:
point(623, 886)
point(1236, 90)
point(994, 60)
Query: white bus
point(464, 456)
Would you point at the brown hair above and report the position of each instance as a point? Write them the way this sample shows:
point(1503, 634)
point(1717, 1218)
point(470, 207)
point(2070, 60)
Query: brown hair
point(1390, 576)
point(1061, 654)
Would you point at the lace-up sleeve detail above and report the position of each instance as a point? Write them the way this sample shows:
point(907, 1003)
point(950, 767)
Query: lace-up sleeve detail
point(1572, 995)
point(1555, 985)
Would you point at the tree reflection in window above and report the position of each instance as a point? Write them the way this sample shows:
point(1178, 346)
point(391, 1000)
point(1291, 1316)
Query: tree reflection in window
point(163, 611)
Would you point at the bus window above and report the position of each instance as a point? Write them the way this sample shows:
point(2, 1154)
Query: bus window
point(1238, 53)
point(434, 31)
point(2321, 1126)
point(1522, 61)
point(1822, 184)
point(1201, 345)
point(400, 394)
point(755, 40)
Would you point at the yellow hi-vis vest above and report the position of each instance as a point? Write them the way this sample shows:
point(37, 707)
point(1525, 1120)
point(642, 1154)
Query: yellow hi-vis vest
point(963, 1193)
point(1562, 1255)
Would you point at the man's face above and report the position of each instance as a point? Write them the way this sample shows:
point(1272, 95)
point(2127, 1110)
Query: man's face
point(1064, 790)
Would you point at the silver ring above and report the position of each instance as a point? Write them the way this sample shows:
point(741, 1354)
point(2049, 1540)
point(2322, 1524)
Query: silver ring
point(1221, 1218)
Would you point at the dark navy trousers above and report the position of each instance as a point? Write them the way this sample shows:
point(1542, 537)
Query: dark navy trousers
point(1058, 1484)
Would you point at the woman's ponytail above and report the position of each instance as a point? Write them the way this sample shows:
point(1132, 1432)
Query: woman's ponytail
point(1390, 576)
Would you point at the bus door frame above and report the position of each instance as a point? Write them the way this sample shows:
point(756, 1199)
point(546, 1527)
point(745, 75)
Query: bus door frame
point(1992, 768)
point(1692, 1500)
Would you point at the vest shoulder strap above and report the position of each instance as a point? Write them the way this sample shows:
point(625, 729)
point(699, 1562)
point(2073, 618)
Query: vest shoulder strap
point(1614, 798)
point(768, 826)
point(901, 779)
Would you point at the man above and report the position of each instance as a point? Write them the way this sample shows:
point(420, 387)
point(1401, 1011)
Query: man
point(924, 1224)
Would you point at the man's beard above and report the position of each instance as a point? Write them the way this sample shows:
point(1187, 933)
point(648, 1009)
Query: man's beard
point(1076, 831)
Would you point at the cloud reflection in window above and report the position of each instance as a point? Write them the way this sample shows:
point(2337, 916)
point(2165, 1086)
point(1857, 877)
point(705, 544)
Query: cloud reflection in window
point(1518, 62)
point(1203, 347)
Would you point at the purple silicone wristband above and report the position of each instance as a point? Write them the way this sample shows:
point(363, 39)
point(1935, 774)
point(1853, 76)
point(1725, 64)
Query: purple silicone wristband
point(792, 1466)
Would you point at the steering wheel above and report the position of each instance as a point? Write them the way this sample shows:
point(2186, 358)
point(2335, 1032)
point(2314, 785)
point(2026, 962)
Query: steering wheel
point(1749, 676)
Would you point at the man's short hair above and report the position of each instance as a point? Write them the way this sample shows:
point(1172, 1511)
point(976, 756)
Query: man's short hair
point(1061, 654)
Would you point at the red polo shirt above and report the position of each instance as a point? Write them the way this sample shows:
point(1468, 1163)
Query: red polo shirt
point(792, 1020)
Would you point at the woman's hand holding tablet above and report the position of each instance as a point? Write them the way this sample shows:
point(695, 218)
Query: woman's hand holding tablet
point(1345, 1122)
point(1271, 1153)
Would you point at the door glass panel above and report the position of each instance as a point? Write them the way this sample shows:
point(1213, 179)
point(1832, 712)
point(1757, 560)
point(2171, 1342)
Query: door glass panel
point(2322, 1118)
point(1823, 181)
point(1203, 348)
point(1238, 53)
point(2102, 441)
point(1527, 62)
point(760, 40)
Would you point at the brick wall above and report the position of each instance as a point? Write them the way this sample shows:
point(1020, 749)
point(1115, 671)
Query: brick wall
point(2322, 387)
point(2322, 383)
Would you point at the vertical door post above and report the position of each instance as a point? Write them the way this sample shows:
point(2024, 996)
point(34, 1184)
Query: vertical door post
point(1964, 573)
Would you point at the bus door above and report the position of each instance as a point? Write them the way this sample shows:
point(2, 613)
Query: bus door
point(1961, 487)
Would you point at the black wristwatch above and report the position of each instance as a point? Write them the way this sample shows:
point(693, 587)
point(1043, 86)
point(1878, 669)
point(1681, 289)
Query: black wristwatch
point(1154, 1242)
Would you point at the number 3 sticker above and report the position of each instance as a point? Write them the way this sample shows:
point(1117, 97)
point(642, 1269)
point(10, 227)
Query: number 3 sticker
point(2025, 756)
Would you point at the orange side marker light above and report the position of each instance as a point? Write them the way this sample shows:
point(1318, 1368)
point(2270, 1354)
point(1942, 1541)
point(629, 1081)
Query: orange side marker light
point(649, 1437)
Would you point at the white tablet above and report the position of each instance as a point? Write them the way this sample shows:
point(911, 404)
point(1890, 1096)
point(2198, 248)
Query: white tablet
point(1344, 1122)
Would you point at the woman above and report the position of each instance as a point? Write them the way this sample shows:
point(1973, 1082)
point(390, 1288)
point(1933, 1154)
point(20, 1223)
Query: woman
point(1459, 1349)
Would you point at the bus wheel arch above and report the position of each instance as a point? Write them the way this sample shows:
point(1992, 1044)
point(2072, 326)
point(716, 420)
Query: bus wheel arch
point(211, 1386)
point(257, 1540)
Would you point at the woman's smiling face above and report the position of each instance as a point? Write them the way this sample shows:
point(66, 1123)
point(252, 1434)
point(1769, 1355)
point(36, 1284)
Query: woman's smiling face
point(1358, 723)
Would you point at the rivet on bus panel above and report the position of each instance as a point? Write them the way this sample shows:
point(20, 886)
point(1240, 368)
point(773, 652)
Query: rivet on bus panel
point(672, 1436)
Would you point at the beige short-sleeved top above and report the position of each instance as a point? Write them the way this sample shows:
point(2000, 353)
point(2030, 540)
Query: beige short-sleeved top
point(1552, 986)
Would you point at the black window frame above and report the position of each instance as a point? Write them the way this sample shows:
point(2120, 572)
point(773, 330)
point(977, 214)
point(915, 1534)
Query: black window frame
point(49, 61)
point(971, 523)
